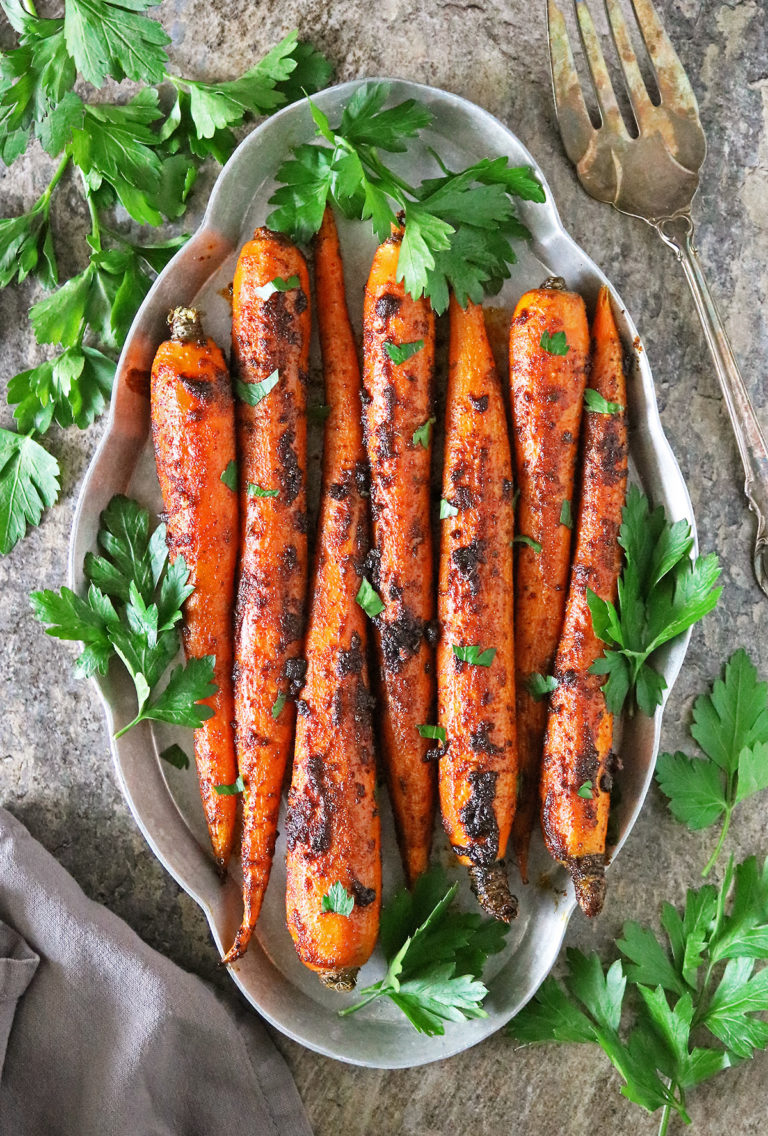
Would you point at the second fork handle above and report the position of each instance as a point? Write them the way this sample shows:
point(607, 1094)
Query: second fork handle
point(749, 437)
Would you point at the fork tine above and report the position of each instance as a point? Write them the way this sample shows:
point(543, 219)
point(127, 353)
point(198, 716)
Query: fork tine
point(575, 124)
point(672, 81)
point(601, 80)
point(642, 106)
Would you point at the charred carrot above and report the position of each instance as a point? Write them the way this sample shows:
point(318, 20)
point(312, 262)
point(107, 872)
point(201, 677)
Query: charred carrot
point(398, 367)
point(270, 342)
point(576, 771)
point(478, 768)
point(333, 825)
point(548, 352)
point(193, 430)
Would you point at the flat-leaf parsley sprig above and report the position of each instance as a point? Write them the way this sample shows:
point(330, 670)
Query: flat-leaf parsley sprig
point(692, 997)
point(458, 226)
point(435, 955)
point(662, 592)
point(131, 611)
point(142, 155)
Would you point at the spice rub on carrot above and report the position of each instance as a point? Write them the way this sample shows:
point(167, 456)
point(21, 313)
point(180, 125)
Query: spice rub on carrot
point(332, 827)
point(270, 342)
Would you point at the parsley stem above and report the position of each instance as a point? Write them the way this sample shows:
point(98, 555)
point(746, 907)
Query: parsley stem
point(95, 223)
point(45, 198)
point(719, 846)
point(125, 729)
point(374, 994)
point(666, 1112)
point(372, 159)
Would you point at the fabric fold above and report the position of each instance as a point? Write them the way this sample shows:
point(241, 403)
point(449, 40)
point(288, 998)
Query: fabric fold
point(109, 1038)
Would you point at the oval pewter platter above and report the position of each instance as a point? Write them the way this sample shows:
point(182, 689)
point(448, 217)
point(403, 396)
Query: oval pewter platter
point(165, 801)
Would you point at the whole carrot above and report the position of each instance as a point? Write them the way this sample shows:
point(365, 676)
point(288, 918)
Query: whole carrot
point(333, 824)
point(270, 342)
point(576, 771)
point(193, 430)
point(478, 769)
point(398, 357)
point(548, 352)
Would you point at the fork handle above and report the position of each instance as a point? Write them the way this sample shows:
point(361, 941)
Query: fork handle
point(679, 234)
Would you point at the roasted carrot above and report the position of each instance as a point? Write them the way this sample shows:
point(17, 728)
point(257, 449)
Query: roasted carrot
point(193, 430)
point(332, 826)
point(478, 766)
point(576, 771)
point(547, 394)
point(270, 341)
point(398, 416)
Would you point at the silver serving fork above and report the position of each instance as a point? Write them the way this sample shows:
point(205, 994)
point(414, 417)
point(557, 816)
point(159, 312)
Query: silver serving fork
point(655, 177)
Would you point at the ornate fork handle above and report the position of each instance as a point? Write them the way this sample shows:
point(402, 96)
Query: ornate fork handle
point(678, 234)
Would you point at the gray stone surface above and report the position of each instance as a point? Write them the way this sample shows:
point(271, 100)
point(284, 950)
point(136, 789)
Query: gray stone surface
point(55, 770)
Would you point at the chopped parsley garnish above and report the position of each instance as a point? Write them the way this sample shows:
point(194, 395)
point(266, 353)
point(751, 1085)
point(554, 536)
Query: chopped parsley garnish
point(253, 393)
point(423, 433)
point(399, 352)
point(338, 900)
point(595, 402)
point(369, 599)
point(475, 655)
point(554, 344)
point(229, 475)
point(277, 285)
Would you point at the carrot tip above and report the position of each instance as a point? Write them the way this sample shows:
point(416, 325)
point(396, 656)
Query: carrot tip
point(588, 874)
point(491, 887)
point(342, 980)
point(521, 855)
point(240, 945)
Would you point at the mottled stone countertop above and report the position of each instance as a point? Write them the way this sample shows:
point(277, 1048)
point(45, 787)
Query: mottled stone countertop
point(55, 767)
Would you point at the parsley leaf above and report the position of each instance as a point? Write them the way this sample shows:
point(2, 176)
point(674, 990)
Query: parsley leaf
point(131, 610)
point(539, 685)
point(237, 786)
point(661, 594)
point(253, 393)
point(437, 733)
point(278, 705)
point(106, 38)
point(175, 756)
point(229, 476)
point(532, 544)
point(399, 352)
point(435, 955)
point(447, 509)
point(338, 900)
point(730, 723)
point(214, 107)
point(34, 78)
point(26, 246)
point(422, 435)
point(458, 226)
point(87, 621)
point(595, 402)
point(29, 482)
point(278, 284)
point(369, 599)
point(566, 515)
point(475, 655)
point(257, 491)
point(555, 344)
point(586, 791)
point(74, 387)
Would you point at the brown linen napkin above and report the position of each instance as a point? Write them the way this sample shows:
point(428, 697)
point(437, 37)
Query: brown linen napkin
point(109, 1038)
